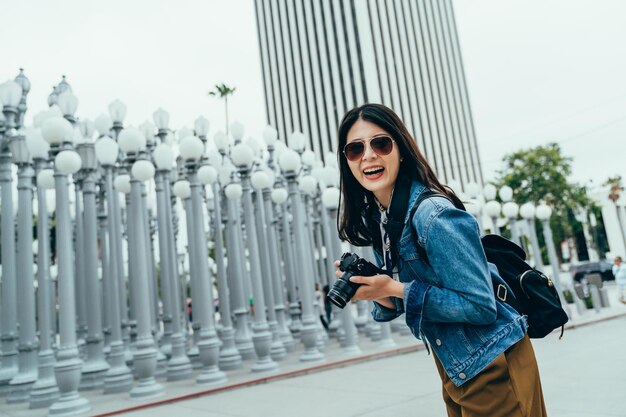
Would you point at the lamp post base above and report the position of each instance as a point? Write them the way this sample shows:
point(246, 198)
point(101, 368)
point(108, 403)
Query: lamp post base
point(69, 404)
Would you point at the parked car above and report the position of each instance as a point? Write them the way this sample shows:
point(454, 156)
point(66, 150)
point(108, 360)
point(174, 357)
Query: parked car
point(602, 267)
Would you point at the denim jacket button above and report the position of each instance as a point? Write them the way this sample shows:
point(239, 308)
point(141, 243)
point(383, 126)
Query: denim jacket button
point(438, 342)
point(462, 375)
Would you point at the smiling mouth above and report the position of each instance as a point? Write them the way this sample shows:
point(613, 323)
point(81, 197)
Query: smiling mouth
point(373, 171)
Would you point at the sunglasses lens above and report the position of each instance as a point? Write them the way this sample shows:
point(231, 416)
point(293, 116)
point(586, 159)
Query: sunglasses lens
point(382, 145)
point(354, 150)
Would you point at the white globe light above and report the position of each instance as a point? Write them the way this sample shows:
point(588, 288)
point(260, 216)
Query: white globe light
point(330, 198)
point(492, 208)
point(331, 176)
point(122, 183)
point(225, 174)
point(233, 191)
point(506, 193)
point(473, 207)
point(279, 195)
point(543, 211)
point(297, 141)
point(201, 126)
point(191, 148)
point(318, 174)
point(279, 148)
point(242, 155)
point(143, 170)
point(331, 160)
point(260, 180)
point(270, 135)
point(68, 103)
point(117, 110)
point(107, 151)
point(161, 118)
point(37, 146)
point(215, 158)
point(256, 147)
point(207, 174)
point(527, 211)
point(148, 130)
point(67, 162)
point(10, 93)
point(237, 130)
point(182, 189)
point(51, 202)
point(45, 179)
point(510, 209)
point(289, 161)
point(56, 130)
point(308, 184)
point(222, 141)
point(163, 155)
point(308, 158)
point(131, 140)
point(103, 124)
point(455, 185)
point(472, 189)
point(490, 191)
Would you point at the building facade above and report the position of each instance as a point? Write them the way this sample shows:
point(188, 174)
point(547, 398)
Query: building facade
point(321, 58)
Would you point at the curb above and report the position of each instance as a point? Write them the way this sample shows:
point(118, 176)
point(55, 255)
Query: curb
point(313, 369)
point(275, 377)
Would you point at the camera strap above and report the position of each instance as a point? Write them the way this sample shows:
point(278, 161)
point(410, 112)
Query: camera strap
point(396, 214)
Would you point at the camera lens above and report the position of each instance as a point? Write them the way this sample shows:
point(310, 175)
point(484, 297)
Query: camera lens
point(342, 291)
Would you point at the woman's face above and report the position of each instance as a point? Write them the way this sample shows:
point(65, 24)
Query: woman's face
point(376, 173)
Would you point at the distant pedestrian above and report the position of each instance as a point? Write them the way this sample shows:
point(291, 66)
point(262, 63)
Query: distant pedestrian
point(444, 286)
point(619, 271)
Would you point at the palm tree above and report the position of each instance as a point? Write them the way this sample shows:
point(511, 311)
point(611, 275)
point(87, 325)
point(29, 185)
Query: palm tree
point(223, 91)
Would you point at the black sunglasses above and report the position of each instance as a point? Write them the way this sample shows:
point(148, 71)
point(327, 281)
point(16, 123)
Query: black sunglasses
point(382, 145)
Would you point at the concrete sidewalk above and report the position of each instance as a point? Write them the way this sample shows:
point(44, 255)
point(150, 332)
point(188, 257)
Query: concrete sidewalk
point(583, 375)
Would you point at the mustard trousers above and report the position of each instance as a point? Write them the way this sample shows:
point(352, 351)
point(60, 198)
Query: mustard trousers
point(507, 387)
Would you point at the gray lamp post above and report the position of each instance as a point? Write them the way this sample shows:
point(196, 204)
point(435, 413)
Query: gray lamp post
point(260, 181)
point(191, 150)
point(270, 136)
point(20, 385)
point(58, 132)
point(242, 157)
point(131, 141)
point(279, 197)
point(330, 199)
point(290, 165)
point(527, 211)
point(179, 366)
point(44, 391)
point(10, 94)
point(118, 377)
point(95, 366)
point(236, 272)
point(492, 208)
point(510, 210)
point(543, 213)
point(230, 358)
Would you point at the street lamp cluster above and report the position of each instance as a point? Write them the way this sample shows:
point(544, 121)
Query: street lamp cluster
point(144, 221)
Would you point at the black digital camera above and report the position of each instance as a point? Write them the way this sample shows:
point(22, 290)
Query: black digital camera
point(350, 264)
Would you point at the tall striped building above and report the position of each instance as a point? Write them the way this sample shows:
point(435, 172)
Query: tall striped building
point(322, 57)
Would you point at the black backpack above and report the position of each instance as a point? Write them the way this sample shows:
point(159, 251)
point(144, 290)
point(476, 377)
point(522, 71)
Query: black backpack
point(534, 294)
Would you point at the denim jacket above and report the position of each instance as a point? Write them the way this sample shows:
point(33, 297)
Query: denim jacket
point(449, 299)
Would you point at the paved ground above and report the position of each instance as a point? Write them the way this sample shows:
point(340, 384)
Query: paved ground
point(583, 375)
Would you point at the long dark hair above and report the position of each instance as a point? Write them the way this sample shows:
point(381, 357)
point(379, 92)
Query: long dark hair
point(357, 204)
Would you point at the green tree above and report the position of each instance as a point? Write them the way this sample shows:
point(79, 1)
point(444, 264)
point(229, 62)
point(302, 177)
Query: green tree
point(542, 173)
point(223, 91)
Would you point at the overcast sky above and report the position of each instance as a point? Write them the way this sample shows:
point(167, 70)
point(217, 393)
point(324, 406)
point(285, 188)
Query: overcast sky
point(537, 70)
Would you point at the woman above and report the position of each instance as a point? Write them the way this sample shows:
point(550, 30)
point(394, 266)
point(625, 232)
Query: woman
point(483, 355)
point(619, 272)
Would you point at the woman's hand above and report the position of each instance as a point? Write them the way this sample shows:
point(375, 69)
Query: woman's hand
point(377, 287)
